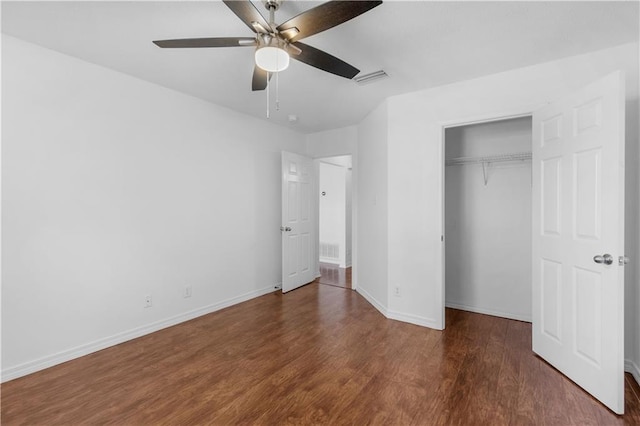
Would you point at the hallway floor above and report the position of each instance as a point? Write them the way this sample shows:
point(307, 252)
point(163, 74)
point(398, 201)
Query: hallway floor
point(331, 274)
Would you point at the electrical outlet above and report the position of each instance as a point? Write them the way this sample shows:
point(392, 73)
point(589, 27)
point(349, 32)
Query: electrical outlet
point(187, 291)
point(148, 302)
point(396, 291)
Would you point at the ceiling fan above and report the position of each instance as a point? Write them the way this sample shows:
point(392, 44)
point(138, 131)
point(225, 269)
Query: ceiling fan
point(276, 43)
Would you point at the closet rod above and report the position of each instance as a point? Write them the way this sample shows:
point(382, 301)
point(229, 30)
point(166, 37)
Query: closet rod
point(516, 156)
point(488, 160)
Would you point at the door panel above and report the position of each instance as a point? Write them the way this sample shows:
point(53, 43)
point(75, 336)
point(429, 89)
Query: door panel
point(578, 213)
point(587, 187)
point(551, 196)
point(587, 286)
point(297, 220)
point(551, 299)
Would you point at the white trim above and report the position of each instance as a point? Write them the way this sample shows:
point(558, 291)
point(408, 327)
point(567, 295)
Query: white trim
point(489, 118)
point(373, 301)
point(331, 260)
point(632, 367)
point(414, 319)
point(398, 316)
point(82, 350)
point(509, 315)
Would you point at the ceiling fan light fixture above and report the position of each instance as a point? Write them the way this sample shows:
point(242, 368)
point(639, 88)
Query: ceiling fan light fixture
point(272, 58)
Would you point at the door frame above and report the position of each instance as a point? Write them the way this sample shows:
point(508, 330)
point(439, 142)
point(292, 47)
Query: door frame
point(354, 213)
point(444, 125)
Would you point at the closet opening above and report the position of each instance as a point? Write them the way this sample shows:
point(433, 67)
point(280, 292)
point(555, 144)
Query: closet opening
point(487, 218)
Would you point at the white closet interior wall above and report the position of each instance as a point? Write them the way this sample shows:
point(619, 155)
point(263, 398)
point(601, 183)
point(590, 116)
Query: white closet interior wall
point(488, 225)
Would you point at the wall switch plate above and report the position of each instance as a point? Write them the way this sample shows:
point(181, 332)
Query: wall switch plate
point(148, 302)
point(187, 291)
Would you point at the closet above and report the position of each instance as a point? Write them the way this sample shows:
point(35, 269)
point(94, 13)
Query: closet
point(488, 218)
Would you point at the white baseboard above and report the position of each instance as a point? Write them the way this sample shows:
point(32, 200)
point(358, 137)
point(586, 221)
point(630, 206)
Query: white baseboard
point(632, 367)
point(82, 350)
point(369, 298)
point(510, 315)
point(330, 260)
point(397, 316)
point(414, 319)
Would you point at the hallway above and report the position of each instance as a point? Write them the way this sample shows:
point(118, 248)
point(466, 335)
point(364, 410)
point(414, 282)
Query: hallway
point(331, 274)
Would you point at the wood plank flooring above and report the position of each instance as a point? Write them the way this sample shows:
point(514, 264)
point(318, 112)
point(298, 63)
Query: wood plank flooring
point(334, 275)
point(317, 355)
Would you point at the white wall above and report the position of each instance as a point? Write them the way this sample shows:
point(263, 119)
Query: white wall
point(632, 226)
point(415, 169)
point(348, 217)
point(113, 189)
point(332, 143)
point(332, 218)
point(372, 213)
point(488, 227)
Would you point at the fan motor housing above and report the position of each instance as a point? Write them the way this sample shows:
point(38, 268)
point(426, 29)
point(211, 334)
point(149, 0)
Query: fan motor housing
point(272, 4)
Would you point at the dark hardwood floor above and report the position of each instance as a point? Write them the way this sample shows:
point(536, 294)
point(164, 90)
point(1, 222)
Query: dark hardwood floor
point(317, 355)
point(334, 275)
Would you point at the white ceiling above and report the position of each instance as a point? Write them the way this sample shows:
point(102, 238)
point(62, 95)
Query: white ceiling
point(420, 44)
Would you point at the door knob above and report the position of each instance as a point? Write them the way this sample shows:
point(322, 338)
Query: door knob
point(285, 228)
point(623, 260)
point(607, 259)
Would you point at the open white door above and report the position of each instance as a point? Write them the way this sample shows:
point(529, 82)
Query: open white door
point(297, 221)
point(578, 238)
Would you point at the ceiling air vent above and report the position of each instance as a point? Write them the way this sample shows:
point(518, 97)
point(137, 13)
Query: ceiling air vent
point(371, 77)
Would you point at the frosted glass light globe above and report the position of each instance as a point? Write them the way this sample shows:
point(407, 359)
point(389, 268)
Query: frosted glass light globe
point(272, 59)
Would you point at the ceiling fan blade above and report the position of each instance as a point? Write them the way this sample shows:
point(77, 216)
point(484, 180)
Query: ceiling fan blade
point(322, 60)
point(207, 42)
point(247, 12)
point(259, 80)
point(325, 16)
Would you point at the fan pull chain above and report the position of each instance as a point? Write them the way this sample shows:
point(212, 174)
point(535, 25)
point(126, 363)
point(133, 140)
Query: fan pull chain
point(268, 90)
point(277, 92)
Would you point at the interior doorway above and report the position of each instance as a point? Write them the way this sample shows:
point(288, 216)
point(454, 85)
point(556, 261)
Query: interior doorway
point(488, 218)
point(335, 220)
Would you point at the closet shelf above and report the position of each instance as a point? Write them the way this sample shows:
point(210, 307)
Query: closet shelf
point(488, 160)
point(516, 156)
